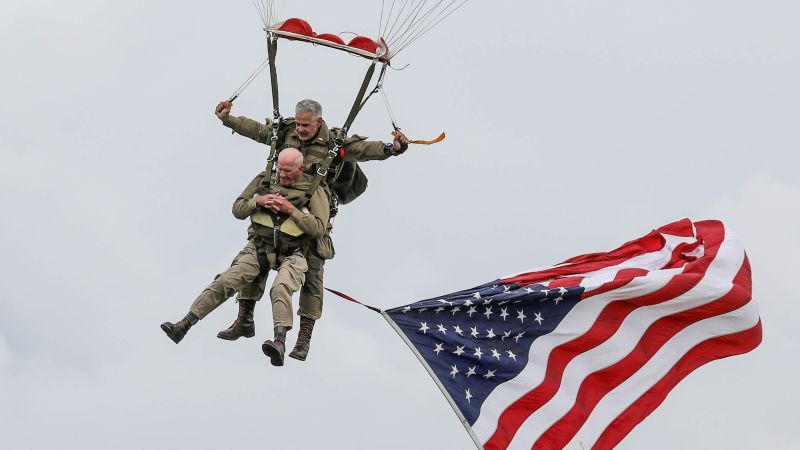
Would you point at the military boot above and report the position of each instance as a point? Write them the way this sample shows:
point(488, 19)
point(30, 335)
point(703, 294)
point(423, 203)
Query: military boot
point(176, 331)
point(275, 348)
point(243, 325)
point(303, 343)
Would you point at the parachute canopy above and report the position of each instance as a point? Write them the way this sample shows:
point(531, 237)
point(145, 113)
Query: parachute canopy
point(300, 30)
point(401, 23)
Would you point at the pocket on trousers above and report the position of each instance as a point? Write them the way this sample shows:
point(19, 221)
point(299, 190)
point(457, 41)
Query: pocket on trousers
point(324, 247)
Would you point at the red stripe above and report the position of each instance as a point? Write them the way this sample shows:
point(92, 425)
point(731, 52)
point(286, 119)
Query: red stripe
point(604, 327)
point(652, 242)
point(595, 386)
point(716, 348)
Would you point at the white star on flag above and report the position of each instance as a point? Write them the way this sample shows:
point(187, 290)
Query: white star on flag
point(504, 313)
point(511, 355)
point(454, 371)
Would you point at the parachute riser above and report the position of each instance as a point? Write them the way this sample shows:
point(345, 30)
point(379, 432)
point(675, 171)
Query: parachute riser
point(341, 135)
point(272, 50)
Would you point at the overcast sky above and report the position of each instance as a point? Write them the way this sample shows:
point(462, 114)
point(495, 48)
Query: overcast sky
point(573, 126)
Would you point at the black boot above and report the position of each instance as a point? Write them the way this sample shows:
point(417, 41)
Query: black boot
point(176, 331)
point(275, 348)
point(303, 343)
point(243, 325)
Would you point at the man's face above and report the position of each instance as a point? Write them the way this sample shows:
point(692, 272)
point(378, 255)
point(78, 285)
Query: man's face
point(288, 173)
point(306, 125)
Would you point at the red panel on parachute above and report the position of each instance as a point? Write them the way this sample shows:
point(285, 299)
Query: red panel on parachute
point(297, 26)
point(364, 43)
point(331, 37)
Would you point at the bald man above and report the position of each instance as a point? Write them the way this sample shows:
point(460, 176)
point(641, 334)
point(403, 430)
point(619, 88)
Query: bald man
point(284, 223)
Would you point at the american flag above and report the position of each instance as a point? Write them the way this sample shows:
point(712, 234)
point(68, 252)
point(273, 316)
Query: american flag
point(577, 354)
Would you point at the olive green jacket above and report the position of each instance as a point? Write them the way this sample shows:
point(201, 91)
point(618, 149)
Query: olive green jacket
point(356, 148)
point(313, 223)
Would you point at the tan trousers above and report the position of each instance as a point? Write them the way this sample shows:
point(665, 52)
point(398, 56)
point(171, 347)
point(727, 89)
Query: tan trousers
point(310, 294)
point(246, 275)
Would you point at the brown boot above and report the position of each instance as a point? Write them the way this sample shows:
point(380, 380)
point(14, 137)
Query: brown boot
point(176, 331)
point(275, 348)
point(243, 325)
point(303, 343)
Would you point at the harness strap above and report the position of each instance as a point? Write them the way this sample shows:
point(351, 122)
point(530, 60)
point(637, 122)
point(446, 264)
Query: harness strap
point(338, 138)
point(272, 49)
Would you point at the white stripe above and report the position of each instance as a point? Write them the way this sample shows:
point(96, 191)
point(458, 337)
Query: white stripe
point(717, 282)
point(574, 324)
point(647, 261)
point(643, 260)
point(615, 403)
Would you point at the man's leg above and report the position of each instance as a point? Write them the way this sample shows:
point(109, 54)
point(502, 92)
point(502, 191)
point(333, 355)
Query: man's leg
point(310, 304)
point(244, 324)
point(288, 281)
point(243, 271)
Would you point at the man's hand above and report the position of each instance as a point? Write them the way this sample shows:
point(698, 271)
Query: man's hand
point(223, 109)
point(400, 143)
point(275, 203)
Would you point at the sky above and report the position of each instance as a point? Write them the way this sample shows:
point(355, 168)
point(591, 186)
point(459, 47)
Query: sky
point(572, 127)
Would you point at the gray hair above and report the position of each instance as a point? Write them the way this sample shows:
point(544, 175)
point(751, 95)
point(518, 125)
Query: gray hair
point(309, 106)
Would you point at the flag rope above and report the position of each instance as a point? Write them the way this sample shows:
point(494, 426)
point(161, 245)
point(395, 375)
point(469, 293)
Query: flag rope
point(351, 299)
point(422, 361)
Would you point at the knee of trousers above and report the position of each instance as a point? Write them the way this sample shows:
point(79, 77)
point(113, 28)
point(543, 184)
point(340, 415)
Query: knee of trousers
point(310, 306)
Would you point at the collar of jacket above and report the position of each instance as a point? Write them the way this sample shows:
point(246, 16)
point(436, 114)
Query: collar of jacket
point(322, 135)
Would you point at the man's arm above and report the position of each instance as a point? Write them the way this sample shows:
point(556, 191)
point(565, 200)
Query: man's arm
point(257, 131)
point(357, 149)
point(245, 203)
point(315, 222)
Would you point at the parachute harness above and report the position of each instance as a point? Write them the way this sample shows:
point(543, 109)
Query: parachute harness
point(277, 119)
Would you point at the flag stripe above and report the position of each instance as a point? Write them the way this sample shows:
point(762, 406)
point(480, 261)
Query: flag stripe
point(590, 357)
point(596, 384)
point(711, 349)
point(605, 318)
point(575, 324)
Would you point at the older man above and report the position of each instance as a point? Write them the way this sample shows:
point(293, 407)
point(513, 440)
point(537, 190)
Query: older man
point(284, 222)
point(308, 131)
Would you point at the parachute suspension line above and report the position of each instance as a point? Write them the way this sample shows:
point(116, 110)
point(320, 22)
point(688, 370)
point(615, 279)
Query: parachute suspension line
point(396, 18)
point(272, 49)
point(429, 27)
point(389, 110)
point(259, 5)
point(413, 19)
point(357, 104)
point(249, 80)
point(378, 85)
point(412, 25)
point(268, 10)
point(426, 26)
point(412, 15)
